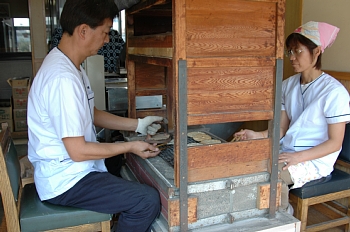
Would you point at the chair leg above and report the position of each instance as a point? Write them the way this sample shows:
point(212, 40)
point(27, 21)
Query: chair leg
point(301, 212)
point(347, 226)
point(106, 226)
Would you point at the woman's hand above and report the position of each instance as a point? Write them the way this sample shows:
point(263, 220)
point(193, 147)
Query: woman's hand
point(248, 134)
point(288, 159)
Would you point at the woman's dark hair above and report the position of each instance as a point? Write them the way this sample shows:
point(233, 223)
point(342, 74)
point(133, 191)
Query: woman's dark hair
point(294, 39)
point(90, 12)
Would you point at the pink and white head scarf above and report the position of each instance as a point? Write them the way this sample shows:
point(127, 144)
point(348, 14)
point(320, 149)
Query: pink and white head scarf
point(322, 34)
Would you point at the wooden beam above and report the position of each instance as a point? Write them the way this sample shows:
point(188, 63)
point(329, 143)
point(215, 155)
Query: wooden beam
point(230, 62)
point(174, 211)
point(143, 5)
point(158, 41)
point(226, 171)
point(228, 153)
point(167, 62)
point(238, 116)
point(339, 75)
point(157, 52)
point(263, 198)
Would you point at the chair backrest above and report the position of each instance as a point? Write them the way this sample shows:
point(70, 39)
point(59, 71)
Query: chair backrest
point(345, 152)
point(10, 180)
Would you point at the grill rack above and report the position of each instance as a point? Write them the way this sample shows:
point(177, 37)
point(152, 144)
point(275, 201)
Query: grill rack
point(168, 153)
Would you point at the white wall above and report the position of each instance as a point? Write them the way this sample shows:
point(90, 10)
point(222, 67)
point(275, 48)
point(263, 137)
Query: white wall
point(335, 12)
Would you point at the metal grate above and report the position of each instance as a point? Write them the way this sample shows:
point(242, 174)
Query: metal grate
point(168, 153)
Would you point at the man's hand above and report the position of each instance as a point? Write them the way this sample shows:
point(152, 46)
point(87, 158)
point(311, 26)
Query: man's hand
point(144, 150)
point(146, 126)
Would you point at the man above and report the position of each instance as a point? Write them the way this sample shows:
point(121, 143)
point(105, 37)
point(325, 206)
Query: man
point(68, 162)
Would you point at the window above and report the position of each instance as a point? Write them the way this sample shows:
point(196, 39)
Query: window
point(22, 34)
point(15, 35)
point(15, 38)
point(119, 24)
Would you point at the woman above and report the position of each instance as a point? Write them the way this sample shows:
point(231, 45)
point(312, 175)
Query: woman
point(315, 109)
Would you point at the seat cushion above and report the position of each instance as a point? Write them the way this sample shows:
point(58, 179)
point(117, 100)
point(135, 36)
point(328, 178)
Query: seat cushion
point(36, 215)
point(337, 181)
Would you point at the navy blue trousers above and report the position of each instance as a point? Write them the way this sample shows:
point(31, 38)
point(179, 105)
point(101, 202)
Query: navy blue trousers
point(138, 204)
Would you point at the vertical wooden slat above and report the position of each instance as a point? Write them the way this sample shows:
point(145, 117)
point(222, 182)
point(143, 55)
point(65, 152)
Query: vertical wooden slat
point(169, 78)
point(37, 32)
point(174, 211)
point(9, 203)
point(131, 89)
point(179, 53)
point(280, 29)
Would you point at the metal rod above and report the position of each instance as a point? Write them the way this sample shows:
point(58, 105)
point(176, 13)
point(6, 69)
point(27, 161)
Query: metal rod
point(183, 144)
point(276, 138)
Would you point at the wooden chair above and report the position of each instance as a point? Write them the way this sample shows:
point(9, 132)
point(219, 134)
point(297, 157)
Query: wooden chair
point(322, 194)
point(25, 212)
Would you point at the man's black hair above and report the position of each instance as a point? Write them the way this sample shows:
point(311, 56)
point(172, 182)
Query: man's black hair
point(90, 12)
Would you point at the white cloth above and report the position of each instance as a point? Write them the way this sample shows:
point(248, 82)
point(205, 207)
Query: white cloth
point(325, 101)
point(58, 107)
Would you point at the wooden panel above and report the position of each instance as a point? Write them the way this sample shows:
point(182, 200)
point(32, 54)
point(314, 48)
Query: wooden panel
point(339, 75)
point(230, 62)
point(235, 31)
point(174, 211)
point(38, 33)
point(226, 153)
point(27, 180)
point(86, 227)
point(149, 76)
point(228, 170)
point(280, 29)
point(158, 41)
point(157, 52)
point(343, 77)
point(227, 159)
point(131, 89)
point(151, 60)
point(151, 112)
point(230, 89)
point(240, 116)
point(36, 65)
point(263, 198)
point(179, 35)
point(150, 92)
point(170, 98)
point(346, 84)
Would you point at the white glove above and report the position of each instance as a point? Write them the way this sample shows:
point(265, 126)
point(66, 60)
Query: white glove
point(146, 126)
